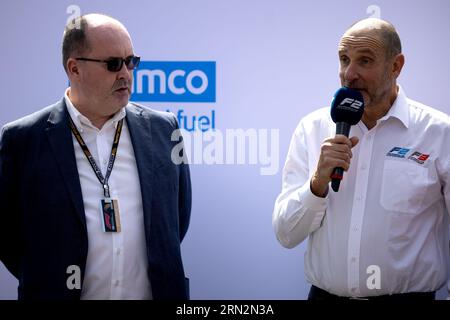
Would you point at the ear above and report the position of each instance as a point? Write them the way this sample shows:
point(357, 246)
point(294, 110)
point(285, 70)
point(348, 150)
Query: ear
point(73, 70)
point(397, 65)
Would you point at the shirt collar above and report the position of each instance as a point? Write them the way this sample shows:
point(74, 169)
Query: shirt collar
point(80, 120)
point(399, 109)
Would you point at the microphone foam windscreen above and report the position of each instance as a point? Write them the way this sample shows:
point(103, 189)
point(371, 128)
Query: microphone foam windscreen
point(347, 106)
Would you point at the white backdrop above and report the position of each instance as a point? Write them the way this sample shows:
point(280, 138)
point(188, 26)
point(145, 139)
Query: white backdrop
point(275, 62)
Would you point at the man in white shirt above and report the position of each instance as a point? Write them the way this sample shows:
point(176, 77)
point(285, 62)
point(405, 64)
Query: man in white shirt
point(92, 203)
point(385, 233)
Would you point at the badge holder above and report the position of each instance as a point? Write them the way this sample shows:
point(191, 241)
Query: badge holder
point(109, 209)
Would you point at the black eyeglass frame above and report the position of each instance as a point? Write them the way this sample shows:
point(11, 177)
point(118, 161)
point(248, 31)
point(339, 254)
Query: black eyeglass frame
point(113, 65)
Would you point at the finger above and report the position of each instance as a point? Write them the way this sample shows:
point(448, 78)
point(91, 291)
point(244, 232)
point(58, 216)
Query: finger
point(333, 155)
point(340, 148)
point(341, 145)
point(341, 139)
point(338, 163)
point(354, 141)
point(333, 159)
point(343, 164)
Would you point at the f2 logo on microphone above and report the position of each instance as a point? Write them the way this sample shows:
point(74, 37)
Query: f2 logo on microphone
point(353, 103)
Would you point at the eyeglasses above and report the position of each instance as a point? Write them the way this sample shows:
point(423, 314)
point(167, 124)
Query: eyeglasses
point(115, 64)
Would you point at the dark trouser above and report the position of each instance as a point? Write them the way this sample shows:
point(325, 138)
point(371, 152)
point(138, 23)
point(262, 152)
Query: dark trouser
point(317, 294)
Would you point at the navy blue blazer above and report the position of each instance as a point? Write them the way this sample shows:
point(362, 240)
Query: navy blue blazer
point(42, 220)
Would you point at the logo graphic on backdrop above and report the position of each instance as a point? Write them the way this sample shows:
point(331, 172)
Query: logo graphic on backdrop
point(175, 81)
point(182, 85)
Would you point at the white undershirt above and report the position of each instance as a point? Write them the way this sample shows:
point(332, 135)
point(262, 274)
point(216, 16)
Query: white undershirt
point(116, 266)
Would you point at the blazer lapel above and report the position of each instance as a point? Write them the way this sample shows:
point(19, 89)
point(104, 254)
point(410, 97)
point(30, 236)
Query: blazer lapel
point(139, 127)
point(60, 139)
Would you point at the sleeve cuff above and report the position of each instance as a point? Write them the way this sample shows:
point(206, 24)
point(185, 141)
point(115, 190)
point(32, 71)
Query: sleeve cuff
point(310, 200)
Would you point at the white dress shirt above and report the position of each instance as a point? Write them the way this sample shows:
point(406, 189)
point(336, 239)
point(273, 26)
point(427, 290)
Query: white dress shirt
point(391, 210)
point(117, 263)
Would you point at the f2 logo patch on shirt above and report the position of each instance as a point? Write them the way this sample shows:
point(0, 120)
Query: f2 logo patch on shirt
point(416, 156)
point(398, 152)
point(419, 157)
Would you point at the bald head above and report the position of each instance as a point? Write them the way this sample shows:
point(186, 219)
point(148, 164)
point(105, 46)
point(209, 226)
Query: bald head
point(96, 20)
point(380, 29)
point(79, 33)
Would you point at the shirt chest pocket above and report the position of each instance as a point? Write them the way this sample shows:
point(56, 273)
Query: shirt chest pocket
point(407, 187)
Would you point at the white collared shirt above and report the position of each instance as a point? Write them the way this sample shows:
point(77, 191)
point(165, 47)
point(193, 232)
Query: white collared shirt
point(116, 266)
point(390, 216)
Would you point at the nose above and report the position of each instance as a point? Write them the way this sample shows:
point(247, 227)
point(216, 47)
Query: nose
point(349, 74)
point(124, 73)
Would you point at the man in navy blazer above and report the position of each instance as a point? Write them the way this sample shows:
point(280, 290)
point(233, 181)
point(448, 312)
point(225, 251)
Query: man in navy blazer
point(49, 192)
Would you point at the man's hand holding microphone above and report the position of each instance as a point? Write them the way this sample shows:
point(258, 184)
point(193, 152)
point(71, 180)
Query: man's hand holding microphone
point(347, 109)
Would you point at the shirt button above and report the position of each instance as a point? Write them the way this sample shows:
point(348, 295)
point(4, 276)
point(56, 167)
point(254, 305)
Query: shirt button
point(118, 251)
point(358, 198)
point(355, 228)
point(353, 259)
point(116, 283)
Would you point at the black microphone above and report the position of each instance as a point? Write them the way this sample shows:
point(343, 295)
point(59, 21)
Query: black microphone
point(346, 110)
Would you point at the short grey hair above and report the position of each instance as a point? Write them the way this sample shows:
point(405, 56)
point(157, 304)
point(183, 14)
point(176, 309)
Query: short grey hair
point(75, 39)
point(391, 40)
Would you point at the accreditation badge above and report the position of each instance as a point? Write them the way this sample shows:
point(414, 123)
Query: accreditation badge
point(109, 209)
